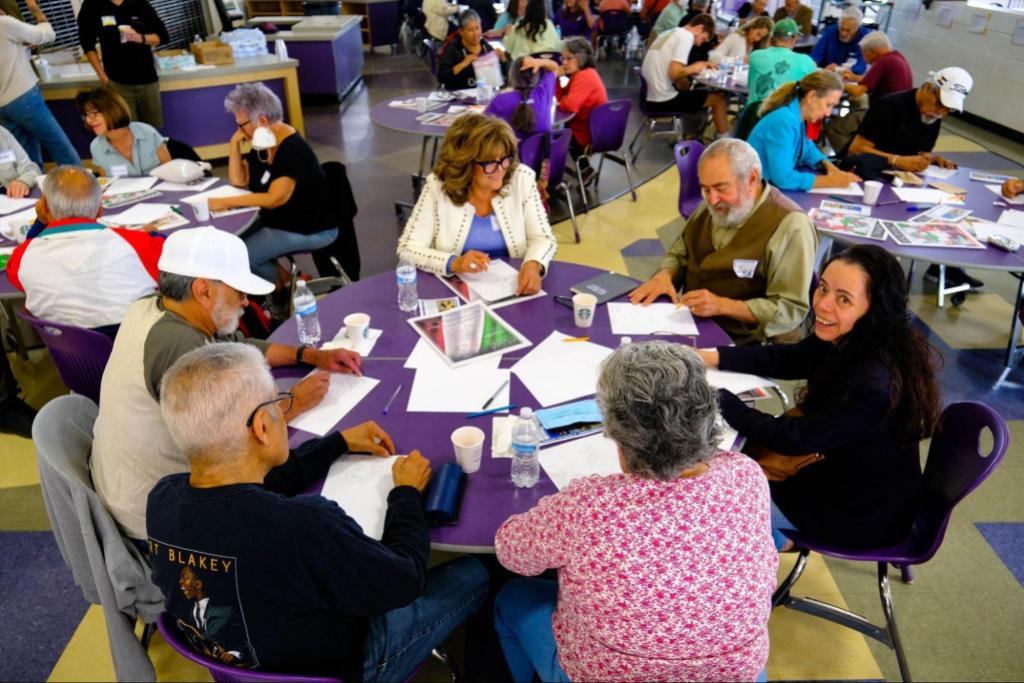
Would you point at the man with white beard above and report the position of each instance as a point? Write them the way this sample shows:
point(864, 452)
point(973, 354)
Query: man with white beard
point(745, 256)
point(203, 281)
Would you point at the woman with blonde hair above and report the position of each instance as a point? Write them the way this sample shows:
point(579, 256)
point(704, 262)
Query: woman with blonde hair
point(479, 203)
point(751, 35)
point(788, 157)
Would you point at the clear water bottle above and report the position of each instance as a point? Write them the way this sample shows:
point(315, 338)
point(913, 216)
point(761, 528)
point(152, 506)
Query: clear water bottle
point(305, 315)
point(525, 445)
point(405, 274)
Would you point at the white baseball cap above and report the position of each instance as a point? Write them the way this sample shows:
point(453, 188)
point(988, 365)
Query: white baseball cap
point(954, 85)
point(213, 254)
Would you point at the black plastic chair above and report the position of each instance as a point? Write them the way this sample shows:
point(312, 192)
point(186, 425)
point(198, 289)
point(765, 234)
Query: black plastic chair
point(182, 150)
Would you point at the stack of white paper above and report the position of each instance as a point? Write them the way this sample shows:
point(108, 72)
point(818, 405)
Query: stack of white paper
point(627, 318)
point(570, 460)
point(198, 186)
point(360, 485)
point(143, 214)
point(924, 195)
point(556, 372)
point(1012, 218)
point(736, 382)
point(851, 190)
point(219, 191)
point(8, 205)
point(983, 230)
point(126, 185)
point(934, 171)
point(499, 281)
point(344, 393)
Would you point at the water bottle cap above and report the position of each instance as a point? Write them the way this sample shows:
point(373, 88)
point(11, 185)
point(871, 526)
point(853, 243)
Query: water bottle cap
point(301, 284)
point(526, 412)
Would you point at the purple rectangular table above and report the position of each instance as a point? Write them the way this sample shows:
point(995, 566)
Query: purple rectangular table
point(490, 497)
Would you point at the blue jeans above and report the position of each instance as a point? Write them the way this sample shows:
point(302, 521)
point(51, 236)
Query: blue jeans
point(266, 244)
point(31, 123)
point(400, 640)
point(522, 617)
point(779, 522)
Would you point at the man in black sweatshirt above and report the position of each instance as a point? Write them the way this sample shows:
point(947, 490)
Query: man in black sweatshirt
point(283, 581)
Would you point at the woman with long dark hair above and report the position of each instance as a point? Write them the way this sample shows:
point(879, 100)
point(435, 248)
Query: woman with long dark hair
point(871, 396)
point(527, 107)
point(533, 33)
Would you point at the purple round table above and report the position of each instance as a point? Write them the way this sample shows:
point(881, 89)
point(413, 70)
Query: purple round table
point(490, 498)
point(731, 85)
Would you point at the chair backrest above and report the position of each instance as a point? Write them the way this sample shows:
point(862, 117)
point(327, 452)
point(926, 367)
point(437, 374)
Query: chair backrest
point(183, 150)
point(530, 151)
point(687, 154)
point(956, 466)
point(224, 672)
point(608, 125)
point(80, 354)
point(614, 22)
point(642, 103)
point(345, 247)
point(431, 51)
point(559, 153)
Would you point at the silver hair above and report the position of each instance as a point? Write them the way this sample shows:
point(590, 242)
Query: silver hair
point(741, 155)
point(208, 394)
point(254, 100)
point(175, 287)
point(580, 48)
point(658, 408)
point(72, 192)
point(852, 13)
point(468, 16)
point(876, 40)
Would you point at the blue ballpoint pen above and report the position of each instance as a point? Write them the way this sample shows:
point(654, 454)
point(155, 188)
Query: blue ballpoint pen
point(491, 411)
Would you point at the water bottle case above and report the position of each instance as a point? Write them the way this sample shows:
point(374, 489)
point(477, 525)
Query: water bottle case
point(444, 496)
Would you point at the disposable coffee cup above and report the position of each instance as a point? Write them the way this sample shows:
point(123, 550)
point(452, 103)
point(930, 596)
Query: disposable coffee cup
point(357, 327)
point(872, 188)
point(468, 443)
point(421, 105)
point(201, 209)
point(123, 29)
point(583, 307)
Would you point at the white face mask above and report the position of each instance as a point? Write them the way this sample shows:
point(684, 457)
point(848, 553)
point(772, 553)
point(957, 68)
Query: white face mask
point(263, 138)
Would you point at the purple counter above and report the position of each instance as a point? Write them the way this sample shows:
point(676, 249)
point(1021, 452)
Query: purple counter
point(330, 60)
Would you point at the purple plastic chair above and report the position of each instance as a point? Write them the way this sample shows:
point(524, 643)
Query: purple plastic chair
point(80, 354)
point(556, 172)
point(955, 467)
point(647, 129)
point(607, 132)
point(529, 151)
point(687, 154)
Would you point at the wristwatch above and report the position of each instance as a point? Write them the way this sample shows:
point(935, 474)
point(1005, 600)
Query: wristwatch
point(298, 355)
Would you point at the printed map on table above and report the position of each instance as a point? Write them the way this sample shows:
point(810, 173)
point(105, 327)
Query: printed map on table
point(843, 223)
point(935, 234)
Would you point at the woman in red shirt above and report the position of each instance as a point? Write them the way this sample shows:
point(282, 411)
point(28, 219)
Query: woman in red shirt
point(579, 90)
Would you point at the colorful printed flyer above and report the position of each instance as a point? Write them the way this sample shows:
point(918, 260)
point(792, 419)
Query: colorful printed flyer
point(934, 234)
point(848, 224)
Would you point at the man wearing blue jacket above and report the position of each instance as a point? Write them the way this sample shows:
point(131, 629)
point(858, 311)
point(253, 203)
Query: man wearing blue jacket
point(839, 44)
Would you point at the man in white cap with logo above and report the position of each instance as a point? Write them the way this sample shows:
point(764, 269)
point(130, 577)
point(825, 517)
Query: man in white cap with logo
point(203, 282)
point(902, 128)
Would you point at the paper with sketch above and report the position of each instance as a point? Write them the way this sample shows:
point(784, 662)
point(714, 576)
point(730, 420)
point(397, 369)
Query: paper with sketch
point(360, 485)
point(149, 216)
point(942, 214)
point(998, 191)
point(934, 171)
point(125, 185)
point(556, 372)
point(933, 234)
point(984, 229)
point(925, 195)
point(8, 205)
point(627, 318)
point(736, 382)
point(842, 223)
point(457, 390)
point(344, 393)
point(197, 186)
point(844, 207)
point(571, 460)
point(362, 346)
point(1012, 218)
point(220, 191)
point(851, 190)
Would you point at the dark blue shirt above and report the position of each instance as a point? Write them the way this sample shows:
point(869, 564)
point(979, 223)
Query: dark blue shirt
point(830, 50)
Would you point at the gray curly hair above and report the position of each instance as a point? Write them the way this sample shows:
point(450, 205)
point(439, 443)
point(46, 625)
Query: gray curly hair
point(658, 408)
point(255, 100)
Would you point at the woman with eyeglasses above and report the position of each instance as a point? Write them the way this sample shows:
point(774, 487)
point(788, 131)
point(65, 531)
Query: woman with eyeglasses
point(480, 203)
point(122, 147)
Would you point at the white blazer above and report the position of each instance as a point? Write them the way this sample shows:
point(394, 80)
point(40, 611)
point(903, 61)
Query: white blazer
point(438, 229)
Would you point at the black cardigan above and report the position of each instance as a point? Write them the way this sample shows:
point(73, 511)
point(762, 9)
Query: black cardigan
point(454, 53)
point(865, 492)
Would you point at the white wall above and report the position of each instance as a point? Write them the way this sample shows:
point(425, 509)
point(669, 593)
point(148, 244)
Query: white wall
point(996, 64)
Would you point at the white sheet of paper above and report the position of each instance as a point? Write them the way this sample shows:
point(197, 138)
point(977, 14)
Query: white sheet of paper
point(344, 393)
point(423, 356)
point(556, 372)
point(168, 186)
point(934, 171)
point(220, 191)
point(499, 281)
point(728, 440)
point(627, 318)
point(982, 230)
point(851, 190)
point(458, 390)
point(924, 195)
point(139, 214)
point(363, 346)
point(736, 382)
point(578, 458)
point(1012, 218)
point(15, 226)
point(998, 191)
point(125, 185)
point(8, 205)
point(360, 485)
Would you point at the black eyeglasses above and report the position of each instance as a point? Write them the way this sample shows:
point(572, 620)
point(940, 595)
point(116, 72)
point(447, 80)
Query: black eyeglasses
point(492, 165)
point(286, 397)
point(243, 124)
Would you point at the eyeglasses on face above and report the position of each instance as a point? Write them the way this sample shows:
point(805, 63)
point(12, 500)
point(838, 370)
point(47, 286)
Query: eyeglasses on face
point(492, 165)
point(285, 397)
point(91, 114)
point(243, 124)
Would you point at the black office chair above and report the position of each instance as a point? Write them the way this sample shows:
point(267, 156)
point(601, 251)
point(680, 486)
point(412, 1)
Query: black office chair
point(181, 150)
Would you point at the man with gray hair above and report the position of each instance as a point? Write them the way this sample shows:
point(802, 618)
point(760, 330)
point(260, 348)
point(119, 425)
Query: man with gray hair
point(746, 254)
point(78, 271)
point(838, 47)
point(317, 593)
point(204, 280)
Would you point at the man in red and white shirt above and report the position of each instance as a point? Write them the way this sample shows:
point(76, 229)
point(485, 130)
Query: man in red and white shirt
point(78, 271)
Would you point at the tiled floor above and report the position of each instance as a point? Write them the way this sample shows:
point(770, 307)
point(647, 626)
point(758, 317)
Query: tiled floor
point(963, 617)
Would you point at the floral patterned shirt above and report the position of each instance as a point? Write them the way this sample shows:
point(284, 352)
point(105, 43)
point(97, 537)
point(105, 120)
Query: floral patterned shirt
point(658, 581)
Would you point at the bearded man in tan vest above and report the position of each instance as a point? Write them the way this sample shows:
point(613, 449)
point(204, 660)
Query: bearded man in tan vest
point(745, 256)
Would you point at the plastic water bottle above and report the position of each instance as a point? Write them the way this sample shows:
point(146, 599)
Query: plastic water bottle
point(525, 444)
point(405, 274)
point(305, 315)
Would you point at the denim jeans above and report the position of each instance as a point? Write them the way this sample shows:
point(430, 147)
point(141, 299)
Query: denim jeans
point(266, 244)
point(522, 617)
point(31, 123)
point(400, 640)
point(779, 522)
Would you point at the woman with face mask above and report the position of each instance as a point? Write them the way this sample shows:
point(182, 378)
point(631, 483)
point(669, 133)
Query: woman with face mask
point(121, 146)
point(285, 180)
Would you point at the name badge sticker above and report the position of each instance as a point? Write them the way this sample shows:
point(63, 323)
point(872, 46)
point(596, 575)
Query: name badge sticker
point(119, 170)
point(265, 178)
point(7, 156)
point(108, 20)
point(744, 268)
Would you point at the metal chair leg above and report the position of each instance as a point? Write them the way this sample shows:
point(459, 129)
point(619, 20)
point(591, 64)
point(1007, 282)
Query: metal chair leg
point(572, 213)
point(582, 188)
point(647, 131)
point(629, 175)
point(781, 594)
point(906, 574)
point(442, 656)
point(147, 635)
point(890, 620)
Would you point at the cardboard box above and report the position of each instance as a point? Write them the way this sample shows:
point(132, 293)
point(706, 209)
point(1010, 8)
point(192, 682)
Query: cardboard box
point(212, 52)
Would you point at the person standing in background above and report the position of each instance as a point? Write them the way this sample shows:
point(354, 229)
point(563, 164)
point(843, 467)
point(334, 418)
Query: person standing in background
point(22, 109)
point(127, 31)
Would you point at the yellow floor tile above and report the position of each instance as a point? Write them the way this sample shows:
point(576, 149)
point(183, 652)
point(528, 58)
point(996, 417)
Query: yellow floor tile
point(955, 143)
point(19, 462)
point(982, 322)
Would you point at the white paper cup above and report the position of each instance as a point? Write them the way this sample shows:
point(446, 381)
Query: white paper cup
point(357, 327)
point(583, 307)
point(421, 105)
point(469, 447)
point(872, 188)
point(201, 209)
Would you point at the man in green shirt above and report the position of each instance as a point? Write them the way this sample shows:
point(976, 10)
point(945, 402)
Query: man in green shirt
point(778, 64)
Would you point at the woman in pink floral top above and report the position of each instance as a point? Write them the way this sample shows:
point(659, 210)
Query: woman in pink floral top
point(665, 572)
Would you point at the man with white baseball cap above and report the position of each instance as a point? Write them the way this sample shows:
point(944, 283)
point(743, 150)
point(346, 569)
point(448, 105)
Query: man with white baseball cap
point(204, 278)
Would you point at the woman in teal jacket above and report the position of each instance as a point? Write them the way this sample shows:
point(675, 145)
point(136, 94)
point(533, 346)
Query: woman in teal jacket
point(788, 157)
